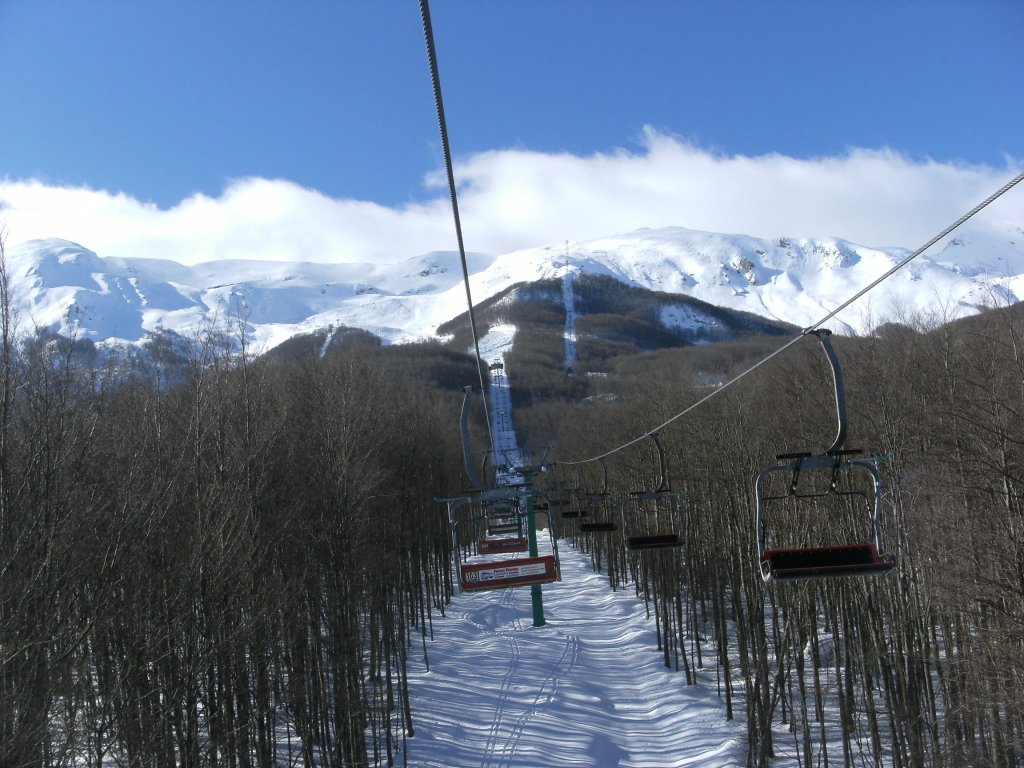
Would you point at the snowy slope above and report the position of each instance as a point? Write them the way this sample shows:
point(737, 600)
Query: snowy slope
point(65, 287)
point(569, 302)
point(494, 345)
point(587, 689)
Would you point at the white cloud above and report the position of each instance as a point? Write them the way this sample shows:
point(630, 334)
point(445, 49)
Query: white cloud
point(511, 199)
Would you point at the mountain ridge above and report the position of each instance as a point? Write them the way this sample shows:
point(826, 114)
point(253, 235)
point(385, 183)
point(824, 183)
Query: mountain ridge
point(65, 288)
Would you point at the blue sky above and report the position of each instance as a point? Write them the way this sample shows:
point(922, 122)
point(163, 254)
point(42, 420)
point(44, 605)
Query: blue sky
point(160, 102)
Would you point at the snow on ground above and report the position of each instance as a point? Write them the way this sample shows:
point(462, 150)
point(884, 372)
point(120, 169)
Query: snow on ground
point(686, 318)
point(587, 689)
point(493, 346)
point(568, 299)
point(506, 445)
point(496, 342)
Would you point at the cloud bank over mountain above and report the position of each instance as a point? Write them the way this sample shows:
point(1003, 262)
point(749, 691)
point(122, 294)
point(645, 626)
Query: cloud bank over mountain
point(516, 198)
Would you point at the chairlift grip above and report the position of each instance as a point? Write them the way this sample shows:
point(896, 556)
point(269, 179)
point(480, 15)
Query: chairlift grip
point(663, 485)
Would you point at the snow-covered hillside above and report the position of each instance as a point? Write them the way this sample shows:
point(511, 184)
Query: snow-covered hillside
point(65, 287)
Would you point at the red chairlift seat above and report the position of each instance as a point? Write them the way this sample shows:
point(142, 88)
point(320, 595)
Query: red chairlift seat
point(822, 562)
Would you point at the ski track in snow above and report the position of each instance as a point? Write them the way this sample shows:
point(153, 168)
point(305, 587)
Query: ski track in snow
point(587, 689)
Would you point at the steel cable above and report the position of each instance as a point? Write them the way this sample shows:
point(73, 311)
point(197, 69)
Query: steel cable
point(435, 79)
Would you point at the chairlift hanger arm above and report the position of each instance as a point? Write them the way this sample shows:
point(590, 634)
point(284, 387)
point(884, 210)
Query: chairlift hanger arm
point(662, 463)
point(823, 335)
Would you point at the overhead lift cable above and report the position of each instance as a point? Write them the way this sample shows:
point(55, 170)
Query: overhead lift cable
point(435, 79)
point(813, 327)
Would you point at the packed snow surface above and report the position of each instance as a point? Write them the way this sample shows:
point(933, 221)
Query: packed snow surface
point(588, 688)
point(569, 301)
point(65, 287)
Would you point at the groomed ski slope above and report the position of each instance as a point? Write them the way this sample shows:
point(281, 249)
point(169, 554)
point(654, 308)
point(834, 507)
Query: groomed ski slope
point(587, 689)
point(568, 299)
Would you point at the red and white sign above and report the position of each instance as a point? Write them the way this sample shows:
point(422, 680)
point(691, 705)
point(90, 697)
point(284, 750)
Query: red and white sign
point(510, 573)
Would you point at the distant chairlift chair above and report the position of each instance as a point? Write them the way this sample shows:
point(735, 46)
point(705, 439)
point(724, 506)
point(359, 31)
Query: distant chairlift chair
point(667, 513)
point(602, 503)
point(831, 560)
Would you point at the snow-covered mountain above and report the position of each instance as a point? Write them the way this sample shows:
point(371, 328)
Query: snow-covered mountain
point(63, 287)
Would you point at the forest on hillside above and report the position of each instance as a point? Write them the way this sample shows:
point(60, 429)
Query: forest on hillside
point(192, 573)
point(196, 567)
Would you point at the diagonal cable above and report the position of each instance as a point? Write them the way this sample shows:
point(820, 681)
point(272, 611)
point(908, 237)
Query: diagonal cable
point(435, 79)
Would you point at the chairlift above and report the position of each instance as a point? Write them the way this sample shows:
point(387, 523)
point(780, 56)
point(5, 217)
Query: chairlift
point(602, 503)
point(570, 505)
point(665, 530)
point(573, 499)
point(839, 469)
point(508, 572)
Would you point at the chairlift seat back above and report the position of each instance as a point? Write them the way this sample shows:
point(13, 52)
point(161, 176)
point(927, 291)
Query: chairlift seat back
point(599, 526)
